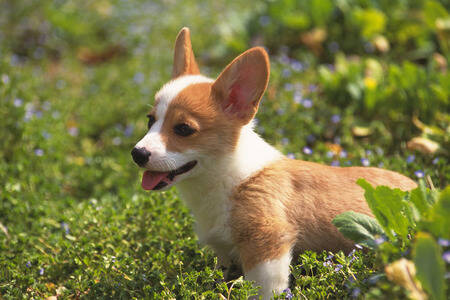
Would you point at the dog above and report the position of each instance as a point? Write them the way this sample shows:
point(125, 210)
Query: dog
point(252, 205)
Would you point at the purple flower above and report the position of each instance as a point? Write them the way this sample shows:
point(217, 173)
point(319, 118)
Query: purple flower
point(343, 154)
point(138, 77)
point(380, 240)
point(298, 97)
point(5, 78)
point(311, 138)
point(446, 257)
point(288, 87)
point(288, 293)
point(330, 256)
point(39, 152)
point(365, 162)
point(307, 103)
point(264, 21)
point(327, 263)
point(286, 73)
point(290, 155)
point(335, 119)
point(351, 253)
point(355, 292)
point(307, 150)
point(333, 47)
point(435, 161)
point(73, 131)
point(335, 163)
point(128, 130)
point(28, 264)
point(410, 159)
point(330, 154)
point(312, 88)
point(338, 268)
point(41, 271)
point(46, 135)
point(380, 164)
point(419, 173)
point(369, 152)
point(443, 242)
point(65, 227)
point(284, 141)
point(18, 102)
point(297, 66)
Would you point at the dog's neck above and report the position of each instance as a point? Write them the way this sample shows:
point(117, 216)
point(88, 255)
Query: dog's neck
point(207, 195)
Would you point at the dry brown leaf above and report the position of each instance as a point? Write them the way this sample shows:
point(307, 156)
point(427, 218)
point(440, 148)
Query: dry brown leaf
point(403, 272)
point(423, 145)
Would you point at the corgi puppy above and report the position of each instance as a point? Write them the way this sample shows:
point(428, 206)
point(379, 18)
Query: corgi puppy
point(252, 205)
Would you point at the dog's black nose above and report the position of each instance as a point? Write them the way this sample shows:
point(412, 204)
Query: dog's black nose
point(140, 156)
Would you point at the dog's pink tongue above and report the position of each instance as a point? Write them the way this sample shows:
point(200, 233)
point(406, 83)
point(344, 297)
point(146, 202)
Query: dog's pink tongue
point(151, 179)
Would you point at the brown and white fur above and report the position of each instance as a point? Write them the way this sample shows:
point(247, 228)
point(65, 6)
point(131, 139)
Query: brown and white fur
point(252, 205)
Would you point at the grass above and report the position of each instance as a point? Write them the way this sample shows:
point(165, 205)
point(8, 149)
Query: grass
point(74, 220)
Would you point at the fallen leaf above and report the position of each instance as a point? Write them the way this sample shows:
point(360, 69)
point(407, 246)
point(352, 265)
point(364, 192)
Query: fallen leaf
point(360, 131)
point(423, 145)
point(402, 272)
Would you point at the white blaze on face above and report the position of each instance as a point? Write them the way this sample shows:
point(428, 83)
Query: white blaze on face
point(160, 159)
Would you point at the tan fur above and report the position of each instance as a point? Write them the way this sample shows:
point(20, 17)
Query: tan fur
point(195, 106)
point(290, 204)
point(184, 60)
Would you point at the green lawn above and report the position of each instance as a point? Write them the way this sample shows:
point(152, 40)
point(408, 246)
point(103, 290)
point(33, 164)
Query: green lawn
point(78, 77)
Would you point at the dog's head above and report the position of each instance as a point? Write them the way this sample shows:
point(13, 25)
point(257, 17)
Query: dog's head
point(195, 119)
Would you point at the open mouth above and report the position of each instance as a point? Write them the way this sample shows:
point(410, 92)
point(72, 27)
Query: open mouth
point(152, 180)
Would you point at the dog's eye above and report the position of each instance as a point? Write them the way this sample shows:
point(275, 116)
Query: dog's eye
point(183, 129)
point(151, 121)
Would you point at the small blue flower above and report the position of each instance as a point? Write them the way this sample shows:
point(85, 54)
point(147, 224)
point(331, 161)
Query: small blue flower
point(41, 271)
point(297, 66)
point(327, 263)
point(419, 173)
point(264, 21)
point(288, 293)
point(335, 163)
point(410, 159)
point(28, 264)
point(338, 268)
point(288, 87)
point(348, 163)
point(369, 152)
point(365, 162)
point(128, 130)
point(284, 141)
point(312, 88)
point(343, 153)
point(39, 152)
point(307, 103)
point(333, 47)
point(307, 150)
point(65, 227)
point(138, 78)
point(311, 138)
point(351, 253)
point(443, 242)
point(380, 164)
point(291, 155)
point(286, 73)
point(446, 257)
point(435, 161)
point(335, 119)
point(18, 102)
point(73, 131)
point(5, 78)
point(380, 240)
point(46, 135)
point(330, 154)
point(356, 292)
point(330, 256)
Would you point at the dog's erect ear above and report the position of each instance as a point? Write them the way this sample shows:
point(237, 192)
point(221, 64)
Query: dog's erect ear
point(240, 86)
point(183, 59)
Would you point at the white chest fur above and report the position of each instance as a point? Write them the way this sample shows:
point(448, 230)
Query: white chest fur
point(208, 194)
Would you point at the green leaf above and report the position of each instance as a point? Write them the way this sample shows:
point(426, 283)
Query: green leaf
point(438, 221)
point(358, 227)
point(389, 207)
point(429, 265)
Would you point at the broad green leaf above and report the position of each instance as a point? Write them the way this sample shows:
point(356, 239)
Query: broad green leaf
point(389, 207)
point(438, 221)
point(429, 265)
point(358, 227)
